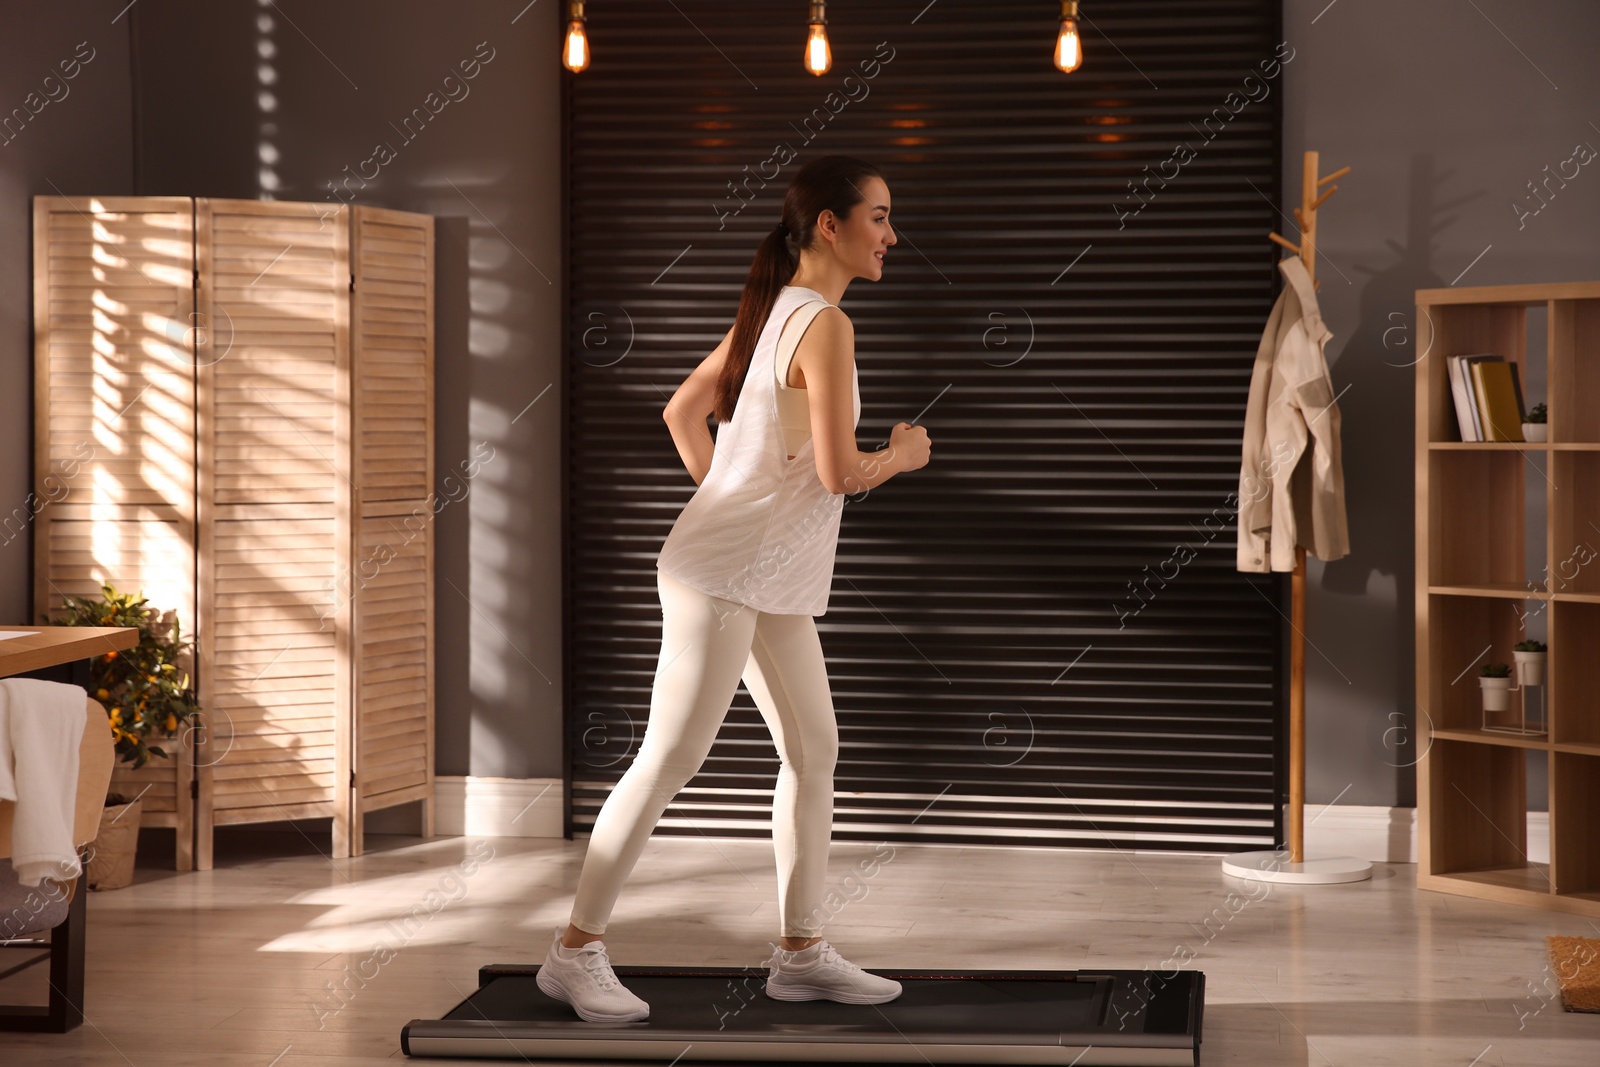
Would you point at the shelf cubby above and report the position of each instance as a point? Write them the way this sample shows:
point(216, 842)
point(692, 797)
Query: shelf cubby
point(1478, 797)
point(1479, 495)
point(1575, 368)
point(1575, 521)
point(1574, 673)
point(1575, 797)
point(1460, 329)
point(1462, 632)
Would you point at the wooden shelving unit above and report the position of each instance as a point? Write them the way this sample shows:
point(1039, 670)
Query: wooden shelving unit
point(1473, 598)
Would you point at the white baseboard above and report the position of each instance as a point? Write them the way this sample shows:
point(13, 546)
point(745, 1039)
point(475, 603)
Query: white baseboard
point(1389, 835)
point(532, 807)
point(498, 807)
point(1374, 834)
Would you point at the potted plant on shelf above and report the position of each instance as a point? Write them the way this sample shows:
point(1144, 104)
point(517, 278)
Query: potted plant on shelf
point(1533, 428)
point(146, 694)
point(1530, 657)
point(1496, 684)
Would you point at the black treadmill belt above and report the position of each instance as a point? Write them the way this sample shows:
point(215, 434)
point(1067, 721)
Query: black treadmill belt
point(737, 1002)
point(720, 1014)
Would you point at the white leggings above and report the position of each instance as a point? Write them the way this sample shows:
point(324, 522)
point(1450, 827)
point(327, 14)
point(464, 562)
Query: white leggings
point(707, 645)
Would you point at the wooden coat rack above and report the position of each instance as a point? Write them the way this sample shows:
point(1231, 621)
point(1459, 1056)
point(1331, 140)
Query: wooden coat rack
point(1306, 216)
point(1270, 866)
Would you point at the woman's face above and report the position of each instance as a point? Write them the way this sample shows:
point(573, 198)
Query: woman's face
point(863, 238)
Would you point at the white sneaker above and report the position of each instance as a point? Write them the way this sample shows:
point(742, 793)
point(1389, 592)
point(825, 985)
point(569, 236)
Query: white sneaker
point(820, 973)
point(587, 982)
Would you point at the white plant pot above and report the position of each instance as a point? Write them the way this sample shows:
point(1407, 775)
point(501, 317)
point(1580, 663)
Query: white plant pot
point(1496, 693)
point(1530, 667)
point(1534, 431)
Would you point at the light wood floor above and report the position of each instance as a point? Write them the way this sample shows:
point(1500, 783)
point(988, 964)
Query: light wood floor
point(235, 967)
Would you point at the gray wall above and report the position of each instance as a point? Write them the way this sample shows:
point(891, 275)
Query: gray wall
point(73, 135)
point(1443, 118)
point(291, 102)
point(251, 100)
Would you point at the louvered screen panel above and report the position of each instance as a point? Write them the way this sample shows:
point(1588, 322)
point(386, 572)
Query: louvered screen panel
point(1041, 637)
point(115, 392)
point(391, 344)
point(273, 483)
point(113, 496)
point(271, 686)
point(392, 349)
point(152, 558)
point(395, 728)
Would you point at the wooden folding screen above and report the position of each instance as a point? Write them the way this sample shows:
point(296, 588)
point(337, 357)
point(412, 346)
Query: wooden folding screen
point(306, 483)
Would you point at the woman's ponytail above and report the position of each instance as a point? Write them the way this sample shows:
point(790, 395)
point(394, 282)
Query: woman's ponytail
point(829, 183)
point(774, 265)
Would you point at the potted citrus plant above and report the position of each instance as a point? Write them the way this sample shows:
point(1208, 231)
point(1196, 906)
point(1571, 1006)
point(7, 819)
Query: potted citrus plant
point(1534, 428)
point(147, 696)
point(1530, 657)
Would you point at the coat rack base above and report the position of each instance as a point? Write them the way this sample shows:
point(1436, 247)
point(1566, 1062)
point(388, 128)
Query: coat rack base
point(1276, 867)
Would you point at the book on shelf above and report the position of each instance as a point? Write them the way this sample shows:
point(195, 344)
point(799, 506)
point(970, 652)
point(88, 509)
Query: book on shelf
point(1466, 425)
point(1498, 413)
point(1516, 385)
point(1470, 400)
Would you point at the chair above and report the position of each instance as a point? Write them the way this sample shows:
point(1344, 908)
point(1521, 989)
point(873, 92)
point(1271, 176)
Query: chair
point(26, 911)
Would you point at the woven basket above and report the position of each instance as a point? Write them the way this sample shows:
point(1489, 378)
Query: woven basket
point(112, 854)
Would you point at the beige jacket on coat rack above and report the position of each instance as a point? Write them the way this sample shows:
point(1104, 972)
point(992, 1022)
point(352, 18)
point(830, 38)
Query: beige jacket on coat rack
point(1291, 484)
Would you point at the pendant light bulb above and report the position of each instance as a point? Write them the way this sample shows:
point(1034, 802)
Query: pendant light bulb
point(575, 50)
point(819, 57)
point(1069, 47)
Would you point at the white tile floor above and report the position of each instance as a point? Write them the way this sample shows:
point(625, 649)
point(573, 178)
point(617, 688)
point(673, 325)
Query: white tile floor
point(273, 959)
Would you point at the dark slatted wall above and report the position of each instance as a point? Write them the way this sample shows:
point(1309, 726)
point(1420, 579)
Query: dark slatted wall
point(1040, 637)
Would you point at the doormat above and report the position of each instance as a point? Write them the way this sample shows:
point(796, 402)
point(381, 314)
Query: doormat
point(1576, 963)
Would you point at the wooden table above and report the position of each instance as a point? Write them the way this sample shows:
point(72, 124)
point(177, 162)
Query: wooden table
point(49, 646)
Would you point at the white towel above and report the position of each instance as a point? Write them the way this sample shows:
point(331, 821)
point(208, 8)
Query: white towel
point(8, 781)
point(41, 728)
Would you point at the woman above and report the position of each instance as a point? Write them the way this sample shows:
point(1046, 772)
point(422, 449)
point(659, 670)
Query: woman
point(746, 567)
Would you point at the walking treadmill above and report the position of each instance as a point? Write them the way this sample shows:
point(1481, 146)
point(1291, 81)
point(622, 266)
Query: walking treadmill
point(1087, 1018)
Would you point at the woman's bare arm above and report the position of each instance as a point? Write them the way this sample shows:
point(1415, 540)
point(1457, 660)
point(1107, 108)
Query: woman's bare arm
point(827, 358)
point(691, 405)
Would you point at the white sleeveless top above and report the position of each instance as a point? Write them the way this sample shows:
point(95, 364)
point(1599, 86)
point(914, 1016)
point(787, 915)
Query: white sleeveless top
point(761, 529)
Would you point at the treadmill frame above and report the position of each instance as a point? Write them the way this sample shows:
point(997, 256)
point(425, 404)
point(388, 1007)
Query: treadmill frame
point(575, 1039)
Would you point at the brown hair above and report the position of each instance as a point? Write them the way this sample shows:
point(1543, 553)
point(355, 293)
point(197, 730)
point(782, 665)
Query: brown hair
point(829, 183)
